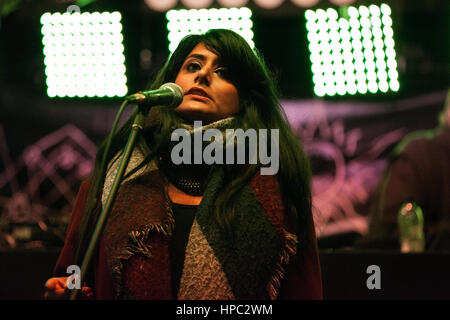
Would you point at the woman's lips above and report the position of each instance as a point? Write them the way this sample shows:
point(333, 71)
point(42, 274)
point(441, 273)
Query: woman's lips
point(197, 97)
point(198, 93)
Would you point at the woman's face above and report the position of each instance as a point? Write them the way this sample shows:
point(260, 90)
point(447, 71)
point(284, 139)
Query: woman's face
point(208, 95)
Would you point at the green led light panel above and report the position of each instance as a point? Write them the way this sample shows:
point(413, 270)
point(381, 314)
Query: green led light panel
point(352, 54)
point(84, 54)
point(183, 22)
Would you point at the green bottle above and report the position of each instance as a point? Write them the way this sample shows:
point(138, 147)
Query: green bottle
point(410, 224)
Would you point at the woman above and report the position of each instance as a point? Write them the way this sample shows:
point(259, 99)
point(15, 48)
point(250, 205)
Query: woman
point(198, 231)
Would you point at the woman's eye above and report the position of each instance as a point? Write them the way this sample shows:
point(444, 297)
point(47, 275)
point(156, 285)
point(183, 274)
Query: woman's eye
point(222, 72)
point(193, 66)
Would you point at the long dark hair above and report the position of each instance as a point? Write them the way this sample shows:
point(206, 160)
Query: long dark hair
point(259, 109)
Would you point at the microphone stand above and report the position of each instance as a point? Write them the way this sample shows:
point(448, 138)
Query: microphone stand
point(137, 126)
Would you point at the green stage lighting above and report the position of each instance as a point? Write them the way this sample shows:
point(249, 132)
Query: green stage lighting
point(84, 54)
point(352, 54)
point(183, 22)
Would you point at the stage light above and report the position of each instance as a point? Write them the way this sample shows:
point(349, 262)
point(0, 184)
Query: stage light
point(305, 3)
point(354, 23)
point(232, 3)
point(390, 53)
point(342, 2)
point(385, 9)
point(394, 85)
point(269, 4)
point(332, 13)
point(383, 86)
point(319, 91)
point(197, 4)
point(353, 12)
point(375, 21)
point(362, 87)
point(387, 21)
point(358, 48)
point(180, 23)
point(84, 54)
point(161, 5)
point(374, 10)
point(321, 15)
point(363, 11)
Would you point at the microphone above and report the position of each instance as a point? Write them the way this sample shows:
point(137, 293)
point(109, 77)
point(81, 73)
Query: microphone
point(169, 94)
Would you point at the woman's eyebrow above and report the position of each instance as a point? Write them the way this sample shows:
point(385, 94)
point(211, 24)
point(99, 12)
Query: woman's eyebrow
point(197, 56)
point(202, 57)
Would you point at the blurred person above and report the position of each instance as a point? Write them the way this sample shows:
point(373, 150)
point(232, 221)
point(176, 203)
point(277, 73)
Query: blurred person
point(419, 172)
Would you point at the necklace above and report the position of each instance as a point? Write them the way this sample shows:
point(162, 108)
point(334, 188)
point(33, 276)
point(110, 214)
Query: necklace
point(191, 179)
point(193, 188)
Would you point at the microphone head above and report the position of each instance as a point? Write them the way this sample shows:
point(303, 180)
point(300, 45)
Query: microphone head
point(177, 94)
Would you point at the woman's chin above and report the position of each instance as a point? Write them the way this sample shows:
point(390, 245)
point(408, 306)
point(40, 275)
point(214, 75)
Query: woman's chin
point(189, 116)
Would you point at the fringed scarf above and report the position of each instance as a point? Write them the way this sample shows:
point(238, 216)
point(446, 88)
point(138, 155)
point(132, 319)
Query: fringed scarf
point(249, 264)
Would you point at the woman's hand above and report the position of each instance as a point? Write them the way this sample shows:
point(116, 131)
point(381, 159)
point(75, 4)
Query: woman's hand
point(55, 289)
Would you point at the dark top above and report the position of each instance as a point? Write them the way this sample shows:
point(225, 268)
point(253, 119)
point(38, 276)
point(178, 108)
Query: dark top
point(184, 217)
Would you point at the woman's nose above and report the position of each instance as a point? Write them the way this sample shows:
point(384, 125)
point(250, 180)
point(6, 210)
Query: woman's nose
point(203, 76)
